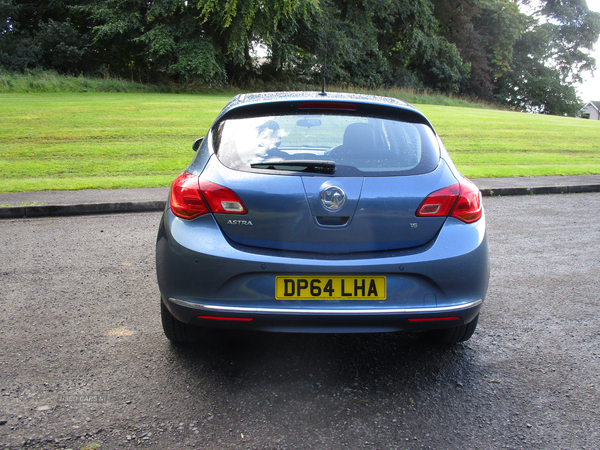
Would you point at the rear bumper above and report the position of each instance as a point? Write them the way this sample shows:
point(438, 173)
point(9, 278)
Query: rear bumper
point(206, 281)
point(325, 320)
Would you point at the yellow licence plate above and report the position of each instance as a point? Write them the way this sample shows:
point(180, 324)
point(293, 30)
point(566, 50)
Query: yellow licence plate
point(330, 288)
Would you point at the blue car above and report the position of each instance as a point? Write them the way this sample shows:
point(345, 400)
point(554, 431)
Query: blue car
point(322, 213)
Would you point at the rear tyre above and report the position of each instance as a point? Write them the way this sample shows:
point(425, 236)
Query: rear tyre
point(176, 331)
point(453, 335)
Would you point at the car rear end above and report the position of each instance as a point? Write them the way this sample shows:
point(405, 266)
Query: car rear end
point(308, 213)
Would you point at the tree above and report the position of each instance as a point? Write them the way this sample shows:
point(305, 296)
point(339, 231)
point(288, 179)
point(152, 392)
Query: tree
point(157, 40)
point(484, 32)
point(237, 25)
point(482, 48)
point(573, 30)
point(42, 34)
point(368, 43)
point(550, 57)
point(532, 85)
point(338, 40)
point(417, 51)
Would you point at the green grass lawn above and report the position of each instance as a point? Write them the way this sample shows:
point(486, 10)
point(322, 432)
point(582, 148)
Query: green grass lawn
point(106, 141)
point(490, 143)
point(99, 141)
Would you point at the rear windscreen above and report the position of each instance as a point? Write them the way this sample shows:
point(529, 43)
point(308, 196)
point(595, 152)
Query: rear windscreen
point(359, 146)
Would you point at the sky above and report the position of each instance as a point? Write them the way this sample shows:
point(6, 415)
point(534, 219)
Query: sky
point(590, 89)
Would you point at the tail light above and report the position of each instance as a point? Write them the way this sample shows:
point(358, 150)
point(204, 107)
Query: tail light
point(186, 201)
point(439, 203)
point(192, 197)
point(221, 200)
point(461, 201)
point(469, 207)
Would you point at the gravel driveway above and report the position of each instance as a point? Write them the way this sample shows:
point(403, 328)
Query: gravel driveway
point(83, 360)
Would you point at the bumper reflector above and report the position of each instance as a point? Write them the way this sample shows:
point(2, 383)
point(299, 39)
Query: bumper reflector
point(433, 319)
point(231, 319)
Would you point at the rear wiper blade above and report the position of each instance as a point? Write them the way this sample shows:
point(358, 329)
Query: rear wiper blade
point(314, 166)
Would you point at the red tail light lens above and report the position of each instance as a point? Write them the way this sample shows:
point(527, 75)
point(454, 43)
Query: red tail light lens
point(469, 206)
point(439, 203)
point(186, 201)
point(221, 200)
point(191, 198)
point(461, 201)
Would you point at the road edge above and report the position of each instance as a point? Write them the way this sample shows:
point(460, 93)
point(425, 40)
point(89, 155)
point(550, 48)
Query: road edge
point(18, 212)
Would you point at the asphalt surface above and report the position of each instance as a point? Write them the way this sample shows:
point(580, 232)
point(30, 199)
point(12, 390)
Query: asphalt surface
point(66, 203)
point(84, 362)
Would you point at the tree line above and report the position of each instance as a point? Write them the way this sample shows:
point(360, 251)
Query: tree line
point(486, 49)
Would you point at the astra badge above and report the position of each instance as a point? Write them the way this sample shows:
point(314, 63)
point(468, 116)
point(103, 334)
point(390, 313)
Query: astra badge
point(240, 222)
point(333, 198)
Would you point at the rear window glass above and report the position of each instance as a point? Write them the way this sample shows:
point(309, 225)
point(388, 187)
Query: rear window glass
point(359, 146)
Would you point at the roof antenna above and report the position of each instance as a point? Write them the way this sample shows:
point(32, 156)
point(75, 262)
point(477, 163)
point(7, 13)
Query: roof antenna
point(323, 93)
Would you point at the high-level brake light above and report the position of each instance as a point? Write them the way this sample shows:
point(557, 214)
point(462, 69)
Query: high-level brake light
point(339, 106)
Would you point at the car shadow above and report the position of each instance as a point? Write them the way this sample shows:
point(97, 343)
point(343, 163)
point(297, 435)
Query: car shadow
point(368, 362)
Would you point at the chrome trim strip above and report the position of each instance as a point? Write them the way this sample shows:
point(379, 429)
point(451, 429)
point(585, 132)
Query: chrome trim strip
point(378, 311)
